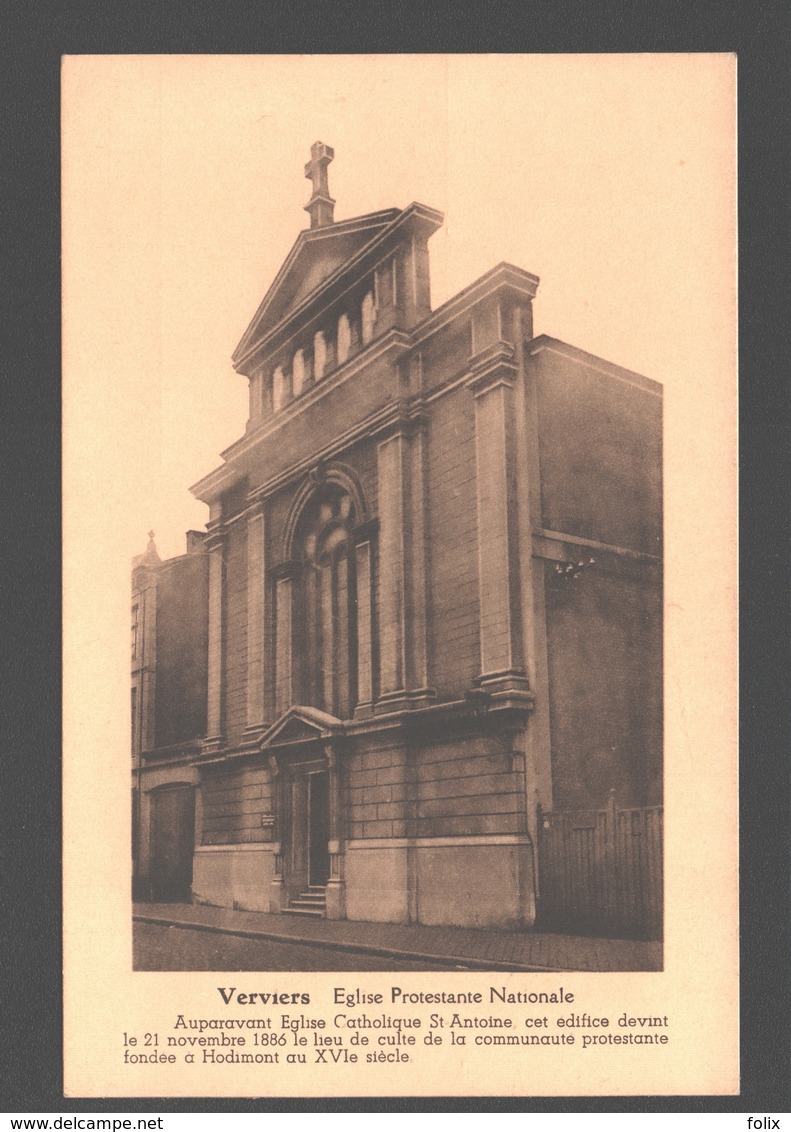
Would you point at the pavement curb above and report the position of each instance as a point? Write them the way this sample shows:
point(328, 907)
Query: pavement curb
point(469, 962)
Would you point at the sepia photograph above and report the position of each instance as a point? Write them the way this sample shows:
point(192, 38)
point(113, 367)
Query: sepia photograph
point(410, 671)
point(402, 361)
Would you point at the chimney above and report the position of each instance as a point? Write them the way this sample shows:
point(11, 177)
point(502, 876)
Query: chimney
point(195, 542)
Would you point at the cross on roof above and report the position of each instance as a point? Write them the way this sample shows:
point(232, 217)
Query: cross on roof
point(321, 205)
point(151, 557)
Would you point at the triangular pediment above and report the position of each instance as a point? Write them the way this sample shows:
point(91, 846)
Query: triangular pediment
point(299, 725)
point(316, 255)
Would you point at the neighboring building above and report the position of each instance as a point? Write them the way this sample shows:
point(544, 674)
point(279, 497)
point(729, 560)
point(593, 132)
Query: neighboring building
point(434, 595)
point(169, 649)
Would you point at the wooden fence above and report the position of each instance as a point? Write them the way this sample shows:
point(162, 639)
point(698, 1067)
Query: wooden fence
point(600, 871)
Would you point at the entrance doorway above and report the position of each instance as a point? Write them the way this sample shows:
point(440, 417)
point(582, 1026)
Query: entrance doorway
point(172, 843)
point(319, 828)
point(309, 857)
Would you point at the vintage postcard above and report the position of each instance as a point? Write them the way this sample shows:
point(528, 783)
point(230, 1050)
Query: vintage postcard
point(400, 428)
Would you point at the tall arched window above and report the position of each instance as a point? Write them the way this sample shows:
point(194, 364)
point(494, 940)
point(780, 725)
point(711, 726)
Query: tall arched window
point(344, 338)
point(278, 389)
point(328, 600)
point(298, 372)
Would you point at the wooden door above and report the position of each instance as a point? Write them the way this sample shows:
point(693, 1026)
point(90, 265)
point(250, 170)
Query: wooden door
point(319, 828)
point(172, 843)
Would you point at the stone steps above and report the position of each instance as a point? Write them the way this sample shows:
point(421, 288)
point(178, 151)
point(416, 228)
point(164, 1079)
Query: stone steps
point(311, 902)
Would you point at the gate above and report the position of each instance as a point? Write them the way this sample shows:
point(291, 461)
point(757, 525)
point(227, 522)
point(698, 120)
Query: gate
point(600, 871)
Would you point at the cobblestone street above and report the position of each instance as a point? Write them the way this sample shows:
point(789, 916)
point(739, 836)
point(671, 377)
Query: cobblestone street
point(159, 948)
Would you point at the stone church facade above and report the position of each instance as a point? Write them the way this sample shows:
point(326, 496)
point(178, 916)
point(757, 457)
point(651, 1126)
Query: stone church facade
point(432, 607)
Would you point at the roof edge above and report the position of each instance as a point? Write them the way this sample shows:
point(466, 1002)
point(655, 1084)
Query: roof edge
point(306, 236)
point(556, 345)
point(247, 348)
point(501, 275)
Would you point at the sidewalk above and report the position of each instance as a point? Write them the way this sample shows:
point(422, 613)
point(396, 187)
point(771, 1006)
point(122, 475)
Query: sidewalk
point(466, 947)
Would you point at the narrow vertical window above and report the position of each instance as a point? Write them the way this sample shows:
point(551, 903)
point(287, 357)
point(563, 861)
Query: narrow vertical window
point(344, 338)
point(135, 629)
point(135, 826)
point(343, 611)
point(278, 389)
point(283, 653)
point(327, 633)
point(311, 645)
point(134, 721)
point(298, 372)
point(368, 318)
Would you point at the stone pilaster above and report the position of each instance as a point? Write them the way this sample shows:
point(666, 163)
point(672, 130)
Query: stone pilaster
point(385, 296)
point(416, 548)
point(278, 897)
point(362, 553)
point(391, 563)
point(491, 380)
point(256, 389)
point(336, 884)
point(403, 658)
point(421, 279)
point(256, 591)
point(214, 721)
point(538, 771)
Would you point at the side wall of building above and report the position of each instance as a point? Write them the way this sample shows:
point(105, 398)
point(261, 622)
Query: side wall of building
point(601, 482)
point(605, 681)
point(182, 634)
point(600, 440)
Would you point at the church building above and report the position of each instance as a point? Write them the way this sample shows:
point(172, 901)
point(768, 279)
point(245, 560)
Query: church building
point(432, 606)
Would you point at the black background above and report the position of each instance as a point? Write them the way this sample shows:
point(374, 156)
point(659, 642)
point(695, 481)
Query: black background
point(34, 36)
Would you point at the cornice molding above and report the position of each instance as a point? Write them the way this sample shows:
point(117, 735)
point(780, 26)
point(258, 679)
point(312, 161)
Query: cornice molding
point(392, 346)
point(504, 711)
point(284, 571)
point(403, 418)
point(327, 455)
point(215, 541)
point(373, 221)
point(496, 365)
point(503, 277)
